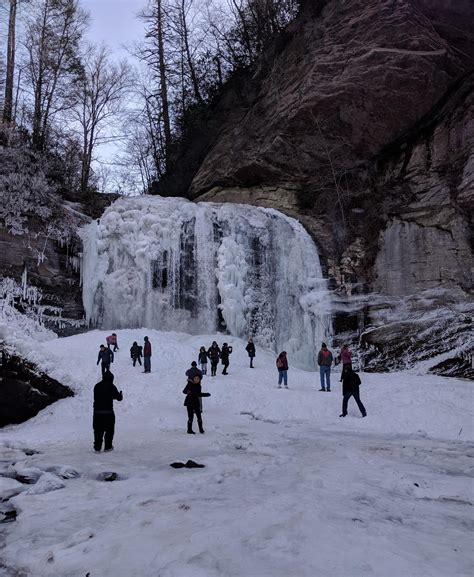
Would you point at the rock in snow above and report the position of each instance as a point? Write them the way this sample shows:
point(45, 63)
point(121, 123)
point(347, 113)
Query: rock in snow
point(9, 488)
point(46, 483)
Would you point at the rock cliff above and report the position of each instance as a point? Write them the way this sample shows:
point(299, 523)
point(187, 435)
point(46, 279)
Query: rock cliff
point(24, 390)
point(359, 122)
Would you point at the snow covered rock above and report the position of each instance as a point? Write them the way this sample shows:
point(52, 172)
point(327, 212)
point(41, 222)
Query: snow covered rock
point(26, 390)
point(9, 488)
point(8, 513)
point(46, 483)
point(7, 470)
point(108, 476)
point(64, 471)
point(28, 475)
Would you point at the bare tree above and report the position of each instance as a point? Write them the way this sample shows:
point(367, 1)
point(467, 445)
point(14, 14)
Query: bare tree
point(154, 53)
point(100, 93)
point(53, 33)
point(10, 68)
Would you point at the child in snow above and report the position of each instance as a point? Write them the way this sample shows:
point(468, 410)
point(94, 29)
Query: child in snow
point(350, 388)
point(111, 341)
point(226, 351)
point(193, 396)
point(214, 353)
point(146, 355)
point(105, 392)
point(282, 366)
point(136, 353)
point(202, 358)
point(325, 362)
point(106, 356)
point(250, 348)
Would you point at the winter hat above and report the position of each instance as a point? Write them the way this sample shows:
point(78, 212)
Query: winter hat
point(324, 346)
point(194, 364)
point(108, 377)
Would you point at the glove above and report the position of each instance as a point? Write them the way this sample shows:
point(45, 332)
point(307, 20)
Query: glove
point(205, 394)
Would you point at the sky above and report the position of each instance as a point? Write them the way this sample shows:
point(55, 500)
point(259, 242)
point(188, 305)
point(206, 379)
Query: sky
point(114, 22)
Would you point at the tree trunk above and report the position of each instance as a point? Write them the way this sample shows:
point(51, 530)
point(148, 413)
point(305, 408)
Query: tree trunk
point(163, 85)
point(8, 103)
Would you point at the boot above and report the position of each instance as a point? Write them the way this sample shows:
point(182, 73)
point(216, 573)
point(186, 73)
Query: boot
point(201, 430)
point(190, 428)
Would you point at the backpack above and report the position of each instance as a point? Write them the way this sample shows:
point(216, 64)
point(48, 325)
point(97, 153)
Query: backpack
point(279, 363)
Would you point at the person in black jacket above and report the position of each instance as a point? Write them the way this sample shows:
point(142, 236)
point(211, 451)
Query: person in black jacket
point(202, 358)
point(192, 373)
point(105, 392)
point(214, 353)
point(350, 388)
point(250, 348)
point(193, 395)
point(226, 351)
point(106, 356)
point(136, 353)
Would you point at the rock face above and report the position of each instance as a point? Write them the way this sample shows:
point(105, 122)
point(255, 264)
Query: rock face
point(359, 122)
point(24, 391)
point(39, 247)
point(347, 82)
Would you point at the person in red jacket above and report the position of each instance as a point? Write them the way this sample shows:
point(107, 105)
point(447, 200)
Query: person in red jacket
point(147, 355)
point(112, 342)
point(282, 366)
point(346, 358)
point(325, 361)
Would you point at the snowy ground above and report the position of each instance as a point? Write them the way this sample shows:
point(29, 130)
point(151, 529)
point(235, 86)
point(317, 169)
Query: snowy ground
point(289, 489)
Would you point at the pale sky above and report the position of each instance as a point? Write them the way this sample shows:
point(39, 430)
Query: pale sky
point(114, 22)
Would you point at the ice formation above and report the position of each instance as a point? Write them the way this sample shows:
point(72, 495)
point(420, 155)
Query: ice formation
point(199, 268)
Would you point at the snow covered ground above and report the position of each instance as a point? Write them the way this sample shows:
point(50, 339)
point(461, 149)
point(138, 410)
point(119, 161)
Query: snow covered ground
point(289, 489)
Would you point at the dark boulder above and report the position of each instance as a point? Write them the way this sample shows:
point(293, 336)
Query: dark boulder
point(25, 390)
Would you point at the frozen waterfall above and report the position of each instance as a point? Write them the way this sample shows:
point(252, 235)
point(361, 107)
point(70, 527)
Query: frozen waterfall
point(171, 264)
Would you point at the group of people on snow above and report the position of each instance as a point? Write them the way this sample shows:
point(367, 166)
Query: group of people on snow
point(213, 354)
point(137, 352)
point(105, 392)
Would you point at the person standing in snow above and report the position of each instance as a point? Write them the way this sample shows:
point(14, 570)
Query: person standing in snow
point(146, 355)
point(192, 401)
point(136, 353)
point(346, 358)
point(325, 362)
point(105, 392)
point(226, 351)
point(111, 341)
point(193, 372)
point(214, 352)
point(250, 348)
point(106, 357)
point(202, 358)
point(350, 388)
point(282, 367)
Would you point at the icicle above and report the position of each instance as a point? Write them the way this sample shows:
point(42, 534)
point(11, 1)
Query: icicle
point(199, 268)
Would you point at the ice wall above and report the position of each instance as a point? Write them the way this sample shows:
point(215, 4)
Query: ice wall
point(170, 264)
